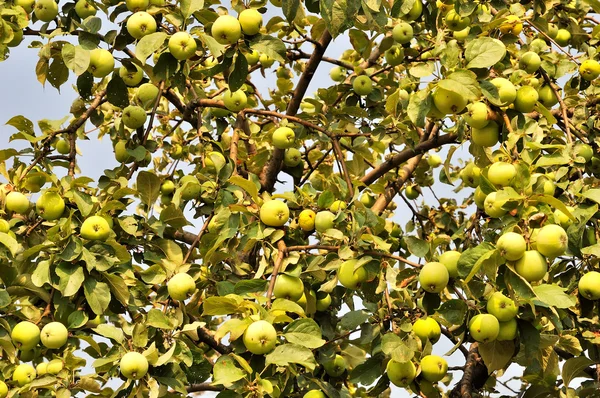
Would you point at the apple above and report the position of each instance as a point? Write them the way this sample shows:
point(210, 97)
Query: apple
point(512, 25)
point(427, 329)
point(3, 389)
point(507, 93)
point(448, 102)
point(35, 180)
point(415, 11)
point(470, 175)
point(45, 10)
point(477, 115)
point(191, 187)
point(132, 77)
point(42, 368)
point(434, 160)
point(433, 368)
point(492, 207)
point(306, 220)
point(362, 85)
point(538, 45)
point(95, 228)
point(394, 55)
point(250, 21)
point(455, 22)
point(214, 161)
point(63, 147)
point(350, 277)
point(511, 246)
point(260, 337)
point(4, 226)
point(530, 62)
point(288, 287)
point(337, 205)
point(308, 303)
point(337, 74)
point(502, 174)
point(181, 286)
point(403, 33)
point(23, 374)
point(508, 330)
point(532, 266)
point(226, 30)
point(266, 61)
point(487, 136)
point(133, 365)
point(137, 5)
point(589, 69)
point(434, 277)
point(324, 221)
point(274, 213)
point(552, 241)
point(236, 101)
point(563, 37)
point(283, 138)
point(182, 46)
point(27, 5)
point(547, 97)
point(252, 57)
point(50, 206)
point(102, 62)
point(401, 374)
point(141, 24)
point(450, 260)
point(25, 335)
point(146, 95)
point(335, 367)
point(16, 202)
point(443, 8)
point(292, 157)
point(55, 366)
point(368, 199)
point(411, 192)
point(17, 38)
point(484, 328)
point(83, 9)
point(462, 35)
point(562, 218)
point(502, 307)
point(589, 285)
point(134, 117)
point(323, 301)
point(583, 150)
point(527, 96)
point(314, 394)
point(121, 154)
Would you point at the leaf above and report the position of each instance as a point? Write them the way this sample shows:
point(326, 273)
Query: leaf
point(238, 75)
point(552, 201)
point(116, 92)
point(118, 287)
point(484, 52)
point(395, 347)
point(464, 83)
point(419, 105)
point(570, 344)
point(469, 258)
point(592, 194)
point(148, 186)
point(246, 185)
point(351, 320)
point(71, 277)
point(97, 295)
point(173, 216)
point(453, 311)
point(157, 319)
point(110, 332)
point(246, 287)
point(574, 367)
point(367, 372)
point(496, 354)
point(149, 44)
point(554, 296)
point(270, 46)
point(287, 354)
point(76, 58)
point(11, 244)
point(338, 14)
point(226, 372)
point(188, 7)
point(416, 246)
point(290, 8)
point(221, 305)
point(485, 257)
point(305, 332)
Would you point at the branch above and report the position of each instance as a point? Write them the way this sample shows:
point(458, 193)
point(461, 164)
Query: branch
point(203, 387)
point(197, 239)
point(563, 107)
point(385, 198)
point(474, 377)
point(281, 250)
point(207, 338)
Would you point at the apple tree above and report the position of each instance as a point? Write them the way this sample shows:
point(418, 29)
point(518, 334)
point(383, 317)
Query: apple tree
point(249, 239)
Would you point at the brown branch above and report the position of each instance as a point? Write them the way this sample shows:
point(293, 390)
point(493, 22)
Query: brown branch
point(281, 250)
point(203, 387)
point(197, 239)
point(475, 374)
point(311, 247)
point(563, 107)
point(386, 197)
point(153, 113)
point(207, 338)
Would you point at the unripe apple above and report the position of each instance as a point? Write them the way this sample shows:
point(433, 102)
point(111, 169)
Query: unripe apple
point(252, 57)
point(589, 69)
point(511, 246)
point(456, 22)
point(512, 25)
point(448, 102)
point(306, 220)
point(4, 226)
point(181, 286)
point(137, 5)
point(335, 367)
point(394, 55)
point(415, 11)
point(461, 35)
point(324, 221)
point(292, 157)
point(250, 21)
point(182, 46)
point(63, 147)
point(527, 96)
point(508, 330)
point(27, 5)
point(538, 45)
point(191, 187)
point(530, 62)
point(337, 205)
point(552, 241)
point(121, 154)
point(25, 335)
point(226, 30)
point(141, 24)
point(95, 228)
point(470, 175)
point(403, 33)
point(133, 365)
point(3, 389)
point(477, 115)
point(236, 101)
point(42, 368)
point(507, 92)
point(314, 394)
point(547, 96)
point(84, 9)
point(260, 337)
point(434, 277)
point(502, 307)
point(131, 77)
point(45, 10)
point(23, 374)
point(337, 74)
point(50, 206)
point(102, 62)
point(427, 329)
point(450, 260)
point(55, 366)
point(583, 150)
point(283, 138)
point(367, 199)
point(562, 218)
point(411, 192)
point(146, 94)
point(589, 285)
point(323, 301)
point(266, 61)
point(288, 287)
point(401, 374)
point(16, 202)
point(134, 117)
point(563, 37)
point(433, 368)
point(502, 174)
point(492, 207)
point(484, 328)
point(351, 277)
point(274, 213)
point(362, 85)
point(214, 161)
point(532, 266)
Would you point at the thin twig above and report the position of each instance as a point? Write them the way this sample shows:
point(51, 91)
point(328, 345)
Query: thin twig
point(281, 250)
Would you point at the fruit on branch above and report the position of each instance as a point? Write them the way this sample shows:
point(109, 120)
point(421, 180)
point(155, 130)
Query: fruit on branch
point(589, 69)
point(450, 260)
point(181, 286)
point(368, 199)
point(427, 329)
point(133, 365)
point(477, 115)
point(132, 75)
point(260, 337)
point(323, 301)
point(23, 374)
point(552, 241)
point(411, 192)
point(283, 138)
point(502, 307)
point(401, 374)
point(27, 5)
point(146, 94)
point(50, 206)
point(508, 330)
point(45, 10)
point(16, 202)
point(415, 11)
point(394, 55)
point(54, 335)
point(102, 62)
point(512, 25)
point(84, 9)
point(403, 33)
point(137, 5)
point(455, 22)
point(266, 61)
point(337, 205)
point(3, 389)
point(214, 161)
point(434, 160)
point(335, 367)
point(62, 146)
point(583, 150)
point(527, 96)
point(292, 157)
point(95, 228)
point(274, 213)
point(511, 246)
point(134, 117)
point(121, 154)
point(562, 218)
point(306, 220)
point(141, 24)
point(507, 93)
point(532, 266)
point(191, 187)
point(250, 21)
point(4, 226)
point(182, 46)
point(226, 30)
point(235, 101)
point(434, 277)
point(502, 174)
point(288, 287)
point(547, 97)
point(530, 62)
point(324, 221)
point(308, 302)
point(493, 207)
point(362, 85)
point(487, 136)
point(484, 328)
point(563, 37)
point(470, 175)
point(448, 102)
point(315, 394)
point(25, 335)
point(351, 277)
point(55, 366)
point(252, 57)
point(337, 74)
point(433, 368)
point(461, 35)
point(589, 285)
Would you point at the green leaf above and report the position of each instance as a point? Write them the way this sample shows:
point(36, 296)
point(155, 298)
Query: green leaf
point(116, 92)
point(290, 8)
point(270, 46)
point(58, 73)
point(463, 82)
point(416, 246)
point(77, 319)
point(469, 258)
point(496, 354)
point(76, 58)
point(574, 367)
point(367, 372)
point(395, 347)
point(118, 287)
point(173, 216)
point(453, 311)
point(11, 244)
point(97, 295)
point(238, 75)
point(222, 305)
point(287, 354)
point(252, 286)
point(351, 320)
point(339, 14)
point(592, 194)
point(148, 186)
point(419, 105)
point(484, 52)
point(247, 185)
point(188, 7)
point(554, 296)
point(110, 332)
point(157, 319)
point(225, 371)
point(70, 278)
point(4, 298)
point(149, 44)
point(552, 201)
point(305, 332)
point(490, 255)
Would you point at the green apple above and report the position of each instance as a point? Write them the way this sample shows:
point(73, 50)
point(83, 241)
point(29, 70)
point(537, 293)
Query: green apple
point(532, 266)
point(583, 150)
point(252, 57)
point(308, 303)
point(401, 374)
point(146, 95)
point(323, 301)
point(191, 187)
point(589, 285)
point(134, 117)
point(411, 192)
point(27, 5)
point(433, 368)
point(23, 374)
point(368, 199)
point(266, 61)
point(133, 365)
point(552, 241)
point(288, 287)
point(283, 138)
point(530, 62)
point(538, 45)
point(450, 260)
point(434, 277)
point(508, 330)
point(589, 69)
point(484, 328)
point(512, 25)
point(132, 77)
point(362, 85)
point(562, 218)
point(121, 154)
point(511, 246)
point(394, 55)
point(141, 24)
point(337, 74)
point(434, 160)
point(45, 10)
point(502, 307)
point(63, 147)
point(17, 38)
point(479, 198)
point(314, 394)
point(455, 22)
point(260, 337)
point(50, 206)
point(84, 9)
point(462, 35)
point(42, 368)
point(102, 62)
point(403, 33)
point(448, 102)
point(3, 389)
point(324, 221)
point(427, 329)
point(351, 277)
point(492, 207)
point(507, 92)
point(226, 30)
point(547, 96)
point(563, 37)
point(95, 228)
point(250, 21)
point(274, 213)
point(214, 161)
point(502, 174)
point(470, 175)
point(182, 46)
point(55, 366)
point(137, 5)
point(236, 101)
point(16, 202)
point(527, 96)
point(25, 335)
point(4, 226)
point(335, 367)
point(306, 220)
point(477, 115)
point(292, 157)
point(181, 286)
point(487, 136)
point(337, 205)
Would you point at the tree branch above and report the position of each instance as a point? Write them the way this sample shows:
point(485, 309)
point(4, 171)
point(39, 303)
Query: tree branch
point(203, 387)
point(281, 250)
point(475, 374)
